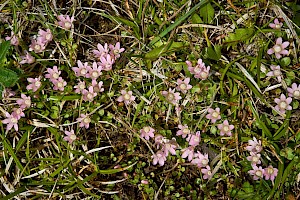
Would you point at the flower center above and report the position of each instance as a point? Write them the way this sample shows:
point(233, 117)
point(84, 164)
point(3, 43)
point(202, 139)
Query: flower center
point(203, 75)
point(258, 173)
point(183, 86)
point(204, 162)
point(126, 96)
point(209, 173)
point(277, 48)
point(37, 47)
point(215, 114)
point(255, 159)
point(186, 131)
point(59, 84)
point(146, 129)
point(37, 83)
point(170, 97)
point(277, 72)
point(86, 120)
point(196, 139)
point(55, 75)
point(83, 71)
point(116, 51)
point(48, 36)
point(27, 102)
point(283, 105)
point(270, 171)
point(67, 25)
point(14, 120)
point(225, 128)
point(296, 93)
point(73, 137)
point(95, 74)
point(81, 86)
point(277, 26)
point(197, 69)
point(257, 148)
point(89, 96)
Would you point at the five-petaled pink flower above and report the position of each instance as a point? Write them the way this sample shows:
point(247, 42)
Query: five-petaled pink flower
point(18, 113)
point(101, 50)
point(206, 172)
point(84, 120)
point(276, 24)
point(79, 87)
point(11, 121)
point(158, 141)
point(127, 97)
point(213, 115)
point(159, 158)
point(97, 86)
point(45, 36)
point(88, 95)
point(171, 96)
point(200, 70)
point(37, 45)
point(24, 102)
point(270, 173)
point(294, 91)
point(13, 39)
point(183, 85)
point(170, 146)
point(254, 158)
point(275, 72)
point(116, 50)
point(257, 172)
point(35, 84)
point(200, 160)
point(279, 48)
point(254, 145)
point(94, 72)
point(283, 103)
point(65, 21)
point(188, 152)
point(70, 136)
point(27, 58)
point(53, 74)
point(59, 84)
point(147, 132)
point(225, 128)
point(82, 69)
point(194, 139)
point(106, 62)
point(183, 131)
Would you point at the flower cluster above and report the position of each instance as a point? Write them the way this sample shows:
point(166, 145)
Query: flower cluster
point(38, 45)
point(13, 118)
point(53, 75)
point(200, 70)
point(255, 147)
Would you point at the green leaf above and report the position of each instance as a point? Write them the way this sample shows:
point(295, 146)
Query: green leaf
point(239, 35)
point(8, 77)
point(197, 20)
point(214, 52)
point(207, 13)
point(164, 49)
point(4, 46)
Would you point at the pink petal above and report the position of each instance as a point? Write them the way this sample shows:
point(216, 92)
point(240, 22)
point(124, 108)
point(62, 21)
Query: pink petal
point(270, 51)
point(285, 44)
point(279, 40)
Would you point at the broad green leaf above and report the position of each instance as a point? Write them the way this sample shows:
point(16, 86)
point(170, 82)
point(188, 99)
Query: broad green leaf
point(8, 78)
point(207, 13)
point(4, 46)
point(239, 35)
point(214, 52)
point(196, 19)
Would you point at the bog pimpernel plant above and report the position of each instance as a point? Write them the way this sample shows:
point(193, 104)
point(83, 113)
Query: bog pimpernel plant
point(149, 100)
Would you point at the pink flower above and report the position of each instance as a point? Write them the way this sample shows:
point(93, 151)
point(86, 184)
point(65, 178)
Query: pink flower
point(171, 147)
point(184, 131)
point(276, 24)
point(254, 145)
point(84, 120)
point(94, 72)
point(37, 45)
point(270, 173)
point(183, 85)
point(79, 87)
point(45, 36)
point(18, 113)
point(97, 86)
point(13, 39)
point(106, 62)
point(65, 21)
point(35, 84)
point(171, 96)
point(145, 182)
point(102, 51)
point(200, 70)
point(275, 72)
point(116, 50)
point(53, 74)
point(24, 102)
point(147, 132)
point(283, 103)
point(194, 140)
point(206, 172)
point(7, 92)
point(294, 91)
point(225, 128)
point(188, 152)
point(158, 141)
point(59, 84)
point(88, 95)
point(27, 58)
point(257, 172)
point(11, 121)
point(70, 136)
point(213, 115)
point(159, 158)
point(279, 48)
point(200, 160)
point(254, 158)
point(81, 70)
point(127, 97)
